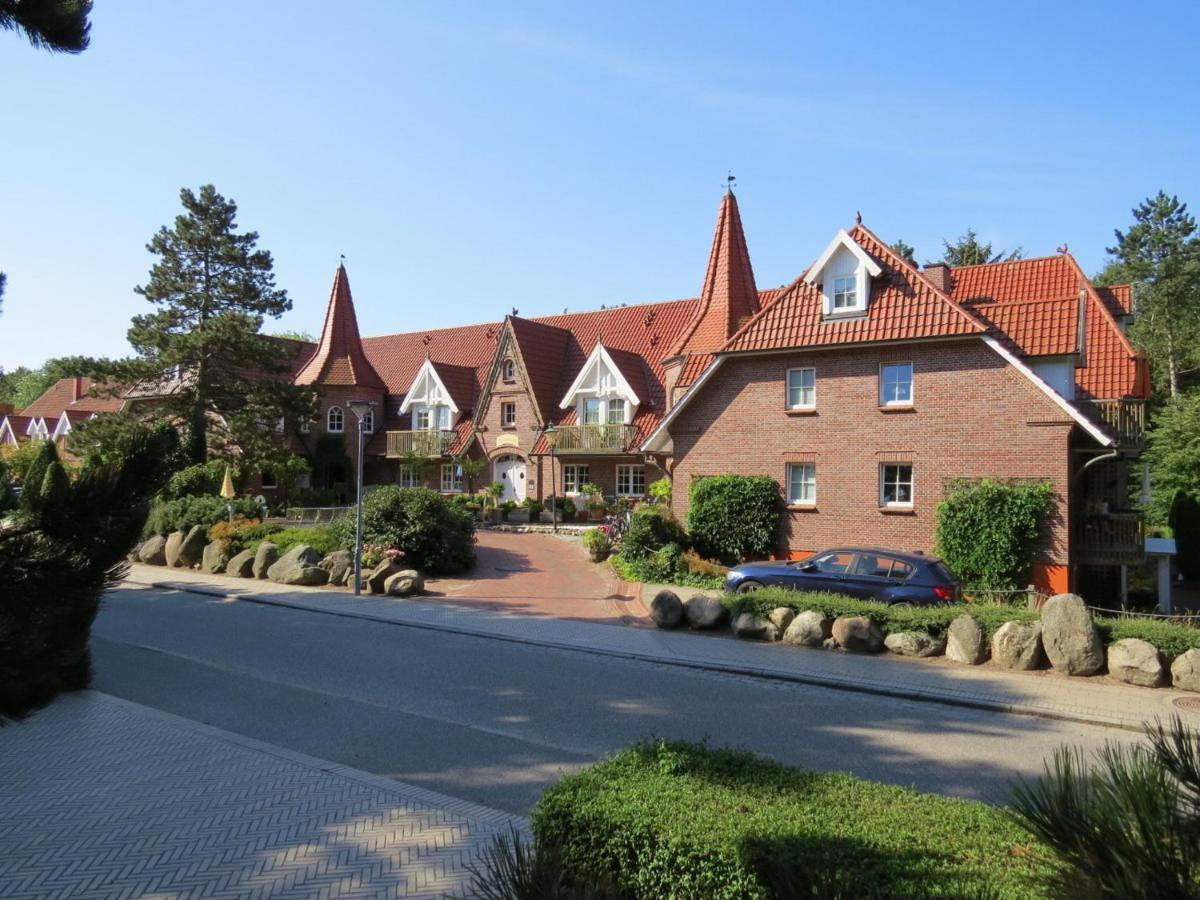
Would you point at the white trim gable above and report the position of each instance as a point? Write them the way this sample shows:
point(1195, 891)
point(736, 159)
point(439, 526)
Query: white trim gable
point(428, 389)
point(6, 433)
point(844, 261)
point(37, 429)
point(600, 377)
point(63, 427)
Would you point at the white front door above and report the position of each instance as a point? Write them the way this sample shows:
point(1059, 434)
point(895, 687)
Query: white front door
point(510, 471)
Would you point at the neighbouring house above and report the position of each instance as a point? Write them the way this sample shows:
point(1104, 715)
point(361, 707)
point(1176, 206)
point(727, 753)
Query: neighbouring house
point(54, 414)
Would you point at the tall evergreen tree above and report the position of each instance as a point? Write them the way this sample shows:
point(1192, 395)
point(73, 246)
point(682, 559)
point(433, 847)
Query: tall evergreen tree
point(201, 352)
point(60, 26)
point(906, 251)
point(969, 251)
point(1160, 256)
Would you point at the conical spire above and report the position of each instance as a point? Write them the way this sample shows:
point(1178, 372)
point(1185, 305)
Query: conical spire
point(729, 296)
point(339, 357)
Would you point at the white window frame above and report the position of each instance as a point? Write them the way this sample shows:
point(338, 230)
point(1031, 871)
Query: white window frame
point(329, 420)
point(801, 475)
point(574, 476)
point(508, 370)
point(884, 400)
point(368, 422)
point(884, 483)
point(599, 406)
point(410, 477)
point(801, 403)
point(508, 414)
point(452, 478)
point(611, 405)
point(421, 413)
point(844, 296)
point(626, 473)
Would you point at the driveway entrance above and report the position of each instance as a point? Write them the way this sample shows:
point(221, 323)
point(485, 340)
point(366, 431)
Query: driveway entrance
point(510, 471)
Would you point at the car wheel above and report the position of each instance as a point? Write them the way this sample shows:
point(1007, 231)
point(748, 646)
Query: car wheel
point(749, 587)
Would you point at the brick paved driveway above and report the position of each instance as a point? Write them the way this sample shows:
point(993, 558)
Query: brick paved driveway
point(104, 798)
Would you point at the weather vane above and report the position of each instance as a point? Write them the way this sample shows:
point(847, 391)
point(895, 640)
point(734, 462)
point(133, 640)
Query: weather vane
point(730, 180)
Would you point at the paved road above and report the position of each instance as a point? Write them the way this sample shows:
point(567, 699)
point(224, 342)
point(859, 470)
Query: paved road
point(495, 722)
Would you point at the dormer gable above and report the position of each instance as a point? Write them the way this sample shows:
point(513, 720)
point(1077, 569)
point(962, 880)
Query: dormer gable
point(429, 401)
point(600, 381)
point(843, 274)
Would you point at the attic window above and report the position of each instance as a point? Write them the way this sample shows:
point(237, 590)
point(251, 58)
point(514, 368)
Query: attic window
point(508, 370)
point(844, 294)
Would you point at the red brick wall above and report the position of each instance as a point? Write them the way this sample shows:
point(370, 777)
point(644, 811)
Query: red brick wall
point(494, 439)
point(973, 415)
point(338, 395)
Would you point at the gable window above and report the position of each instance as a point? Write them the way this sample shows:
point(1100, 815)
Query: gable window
point(896, 485)
point(410, 477)
point(508, 370)
point(421, 418)
point(574, 477)
point(616, 412)
point(335, 422)
point(801, 388)
point(845, 295)
point(896, 384)
point(452, 478)
point(508, 415)
point(802, 484)
point(591, 411)
point(631, 481)
point(368, 422)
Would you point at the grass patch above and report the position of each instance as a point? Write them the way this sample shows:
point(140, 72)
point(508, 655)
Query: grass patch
point(674, 819)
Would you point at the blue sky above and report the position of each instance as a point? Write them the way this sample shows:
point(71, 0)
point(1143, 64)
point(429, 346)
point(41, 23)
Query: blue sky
point(470, 158)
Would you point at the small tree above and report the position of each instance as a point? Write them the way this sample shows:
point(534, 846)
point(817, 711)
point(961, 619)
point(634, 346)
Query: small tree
point(471, 469)
point(734, 516)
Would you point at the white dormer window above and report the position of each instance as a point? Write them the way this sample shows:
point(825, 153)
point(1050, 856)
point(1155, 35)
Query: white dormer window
point(421, 418)
point(429, 402)
point(844, 294)
point(601, 394)
point(844, 272)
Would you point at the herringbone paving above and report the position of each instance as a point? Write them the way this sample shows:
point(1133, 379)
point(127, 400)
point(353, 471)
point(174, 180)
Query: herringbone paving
point(103, 798)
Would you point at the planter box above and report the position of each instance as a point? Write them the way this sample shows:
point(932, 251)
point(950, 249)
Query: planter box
point(597, 515)
point(548, 519)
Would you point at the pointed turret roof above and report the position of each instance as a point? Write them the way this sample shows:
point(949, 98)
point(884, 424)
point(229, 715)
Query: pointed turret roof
point(339, 357)
point(729, 298)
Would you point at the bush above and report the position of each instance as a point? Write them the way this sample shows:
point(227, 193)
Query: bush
point(651, 528)
point(731, 517)
point(181, 514)
point(988, 531)
point(203, 480)
point(597, 542)
point(437, 537)
point(1185, 525)
point(322, 538)
point(1170, 639)
point(668, 565)
point(674, 819)
point(660, 491)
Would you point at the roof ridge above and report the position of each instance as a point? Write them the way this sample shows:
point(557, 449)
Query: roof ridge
point(1009, 262)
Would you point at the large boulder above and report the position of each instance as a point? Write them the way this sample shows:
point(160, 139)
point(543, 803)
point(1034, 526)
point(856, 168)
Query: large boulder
point(966, 642)
point(666, 610)
point(1135, 661)
point(755, 628)
point(191, 551)
point(915, 643)
point(404, 583)
point(171, 550)
point(376, 581)
point(857, 633)
point(307, 576)
point(215, 557)
point(1018, 645)
point(153, 551)
point(242, 565)
point(1185, 671)
point(703, 612)
point(1069, 636)
point(809, 629)
point(286, 569)
point(337, 564)
point(781, 617)
point(264, 557)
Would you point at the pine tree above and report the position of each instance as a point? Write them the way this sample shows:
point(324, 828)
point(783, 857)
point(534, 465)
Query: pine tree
point(906, 251)
point(60, 26)
point(202, 353)
point(968, 251)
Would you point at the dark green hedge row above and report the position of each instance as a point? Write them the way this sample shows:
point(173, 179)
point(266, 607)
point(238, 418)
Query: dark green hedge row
point(673, 819)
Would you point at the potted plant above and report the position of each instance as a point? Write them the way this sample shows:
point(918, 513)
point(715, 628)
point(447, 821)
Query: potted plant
point(507, 508)
point(568, 509)
point(492, 494)
point(597, 543)
point(533, 509)
point(595, 500)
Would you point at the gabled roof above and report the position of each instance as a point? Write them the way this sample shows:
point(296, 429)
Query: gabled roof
point(543, 352)
point(728, 297)
point(904, 305)
point(1118, 298)
point(339, 357)
point(841, 241)
point(624, 366)
point(71, 393)
point(13, 428)
point(431, 370)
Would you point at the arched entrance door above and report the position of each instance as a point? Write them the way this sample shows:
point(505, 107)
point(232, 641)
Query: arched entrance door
point(510, 471)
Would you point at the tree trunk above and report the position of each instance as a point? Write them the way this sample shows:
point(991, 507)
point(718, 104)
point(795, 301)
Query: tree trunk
point(1172, 364)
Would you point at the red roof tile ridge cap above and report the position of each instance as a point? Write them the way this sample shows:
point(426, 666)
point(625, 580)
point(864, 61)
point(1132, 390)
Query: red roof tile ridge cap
point(1011, 262)
point(418, 332)
point(1093, 296)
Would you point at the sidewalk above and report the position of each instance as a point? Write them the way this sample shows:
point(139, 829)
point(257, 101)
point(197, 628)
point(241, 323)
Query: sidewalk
point(1097, 700)
point(105, 798)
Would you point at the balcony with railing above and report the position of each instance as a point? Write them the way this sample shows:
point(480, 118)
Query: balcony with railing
point(1111, 539)
point(594, 438)
point(427, 443)
point(1124, 419)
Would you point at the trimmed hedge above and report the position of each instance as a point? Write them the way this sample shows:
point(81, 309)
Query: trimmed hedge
point(674, 819)
point(436, 536)
point(1171, 640)
point(181, 514)
point(731, 517)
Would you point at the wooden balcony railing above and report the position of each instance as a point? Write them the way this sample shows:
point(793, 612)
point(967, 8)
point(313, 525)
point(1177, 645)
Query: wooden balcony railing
point(422, 443)
point(1112, 539)
point(1125, 420)
point(593, 438)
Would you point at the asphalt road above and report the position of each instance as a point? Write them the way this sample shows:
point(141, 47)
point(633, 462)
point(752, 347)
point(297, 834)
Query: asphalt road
point(496, 722)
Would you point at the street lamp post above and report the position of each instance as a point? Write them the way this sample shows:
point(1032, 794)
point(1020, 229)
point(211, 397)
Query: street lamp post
point(361, 409)
point(552, 439)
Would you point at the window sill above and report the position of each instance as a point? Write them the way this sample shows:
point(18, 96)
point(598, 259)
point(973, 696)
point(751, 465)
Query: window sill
point(897, 511)
point(898, 408)
point(802, 507)
point(508, 427)
point(801, 411)
point(842, 315)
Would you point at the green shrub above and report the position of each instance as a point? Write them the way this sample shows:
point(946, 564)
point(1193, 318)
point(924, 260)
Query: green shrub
point(988, 531)
point(437, 537)
point(668, 565)
point(1170, 639)
point(1185, 525)
point(597, 542)
point(322, 538)
point(731, 517)
point(660, 491)
point(181, 514)
point(203, 480)
point(651, 528)
point(673, 819)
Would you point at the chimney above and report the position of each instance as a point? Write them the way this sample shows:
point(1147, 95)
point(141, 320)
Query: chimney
point(77, 390)
point(939, 274)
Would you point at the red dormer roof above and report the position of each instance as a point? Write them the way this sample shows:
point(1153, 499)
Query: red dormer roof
point(339, 357)
point(543, 350)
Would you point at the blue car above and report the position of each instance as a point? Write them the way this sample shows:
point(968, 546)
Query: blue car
point(865, 573)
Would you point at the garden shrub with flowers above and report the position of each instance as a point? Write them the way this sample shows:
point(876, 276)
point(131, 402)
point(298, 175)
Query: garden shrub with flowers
point(436, 536)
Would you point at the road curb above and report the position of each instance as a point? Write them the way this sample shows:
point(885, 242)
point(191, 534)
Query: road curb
point(840, 684)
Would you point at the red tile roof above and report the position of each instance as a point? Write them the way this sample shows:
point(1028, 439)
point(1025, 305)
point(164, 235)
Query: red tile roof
point(70, 393)
point(339, 357)
point(1118, 298)
point(543, 351)
point(1035, 328)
